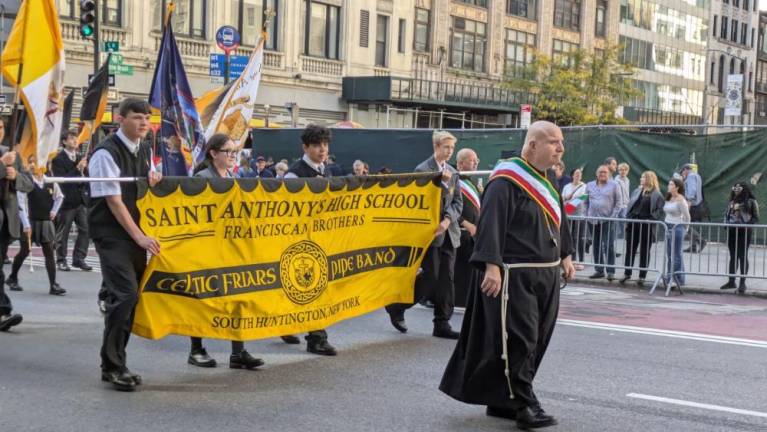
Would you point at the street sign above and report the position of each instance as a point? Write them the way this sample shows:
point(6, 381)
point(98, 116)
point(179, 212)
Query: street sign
point(525, 112)
point(237, 65)
point(111, 79)
point(227, 38)
point(111, 46)
point(116, 65)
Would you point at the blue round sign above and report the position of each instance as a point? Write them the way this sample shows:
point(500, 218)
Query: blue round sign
point(227, 38)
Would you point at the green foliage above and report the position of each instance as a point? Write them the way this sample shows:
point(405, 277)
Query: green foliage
point(582, 89)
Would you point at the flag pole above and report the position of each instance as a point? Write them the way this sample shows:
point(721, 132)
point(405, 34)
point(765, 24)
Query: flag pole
point(19, 75)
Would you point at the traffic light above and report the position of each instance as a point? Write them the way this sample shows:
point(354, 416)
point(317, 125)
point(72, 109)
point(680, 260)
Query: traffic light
point(87, 17)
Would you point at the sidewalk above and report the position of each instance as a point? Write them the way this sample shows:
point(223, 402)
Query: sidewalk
point(714, 259)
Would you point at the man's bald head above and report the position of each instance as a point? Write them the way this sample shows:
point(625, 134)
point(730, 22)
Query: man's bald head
point(466, 160)
point(544, 144)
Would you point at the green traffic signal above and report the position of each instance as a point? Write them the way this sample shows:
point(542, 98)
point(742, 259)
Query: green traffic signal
point(86, 30)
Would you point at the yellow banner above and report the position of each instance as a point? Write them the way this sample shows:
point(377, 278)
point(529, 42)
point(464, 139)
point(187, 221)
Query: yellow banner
point(248, 259)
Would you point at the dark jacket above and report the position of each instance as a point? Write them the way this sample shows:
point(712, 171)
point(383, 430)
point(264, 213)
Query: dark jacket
point(8, 200)
point(452, 202)
point(656, 203)
point(74, 193)
point(742, 212)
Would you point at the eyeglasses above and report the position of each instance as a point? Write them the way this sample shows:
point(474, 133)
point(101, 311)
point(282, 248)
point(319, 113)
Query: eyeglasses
point(737, 188)
point(230, 153)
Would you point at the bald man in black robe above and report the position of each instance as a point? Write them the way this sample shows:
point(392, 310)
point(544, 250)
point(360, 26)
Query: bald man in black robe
point(513, 230)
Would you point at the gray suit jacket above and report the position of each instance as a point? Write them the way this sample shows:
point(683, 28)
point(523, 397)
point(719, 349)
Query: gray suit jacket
point(451, 205)
point(9, 202)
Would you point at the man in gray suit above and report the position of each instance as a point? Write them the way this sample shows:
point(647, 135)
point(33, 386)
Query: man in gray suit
point(436, 282)
point(12, 179)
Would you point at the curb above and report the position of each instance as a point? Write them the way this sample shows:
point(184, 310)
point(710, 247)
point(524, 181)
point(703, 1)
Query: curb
point(691, 288)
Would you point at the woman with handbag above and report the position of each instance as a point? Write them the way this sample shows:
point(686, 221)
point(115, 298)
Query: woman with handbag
point(742, 209)
point(645, 204)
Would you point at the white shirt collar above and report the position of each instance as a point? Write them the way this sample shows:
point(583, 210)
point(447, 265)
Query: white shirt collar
point(441, 166)
point(72, 155)
point(132, 146)
point(320, 168)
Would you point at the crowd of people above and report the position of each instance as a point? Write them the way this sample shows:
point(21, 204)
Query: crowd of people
point(608, 210)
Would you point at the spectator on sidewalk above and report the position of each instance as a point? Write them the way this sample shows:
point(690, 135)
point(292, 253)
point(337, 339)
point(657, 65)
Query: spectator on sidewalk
point(280, 169)
point(359, 168)
point(573, 197)
point(562, 179)
point(742, 209)
point(625, 188)
point(693, 186)
point(260, 169)
point(612, 165)
point(645, 204)
point(604, 197)
point(677, 216)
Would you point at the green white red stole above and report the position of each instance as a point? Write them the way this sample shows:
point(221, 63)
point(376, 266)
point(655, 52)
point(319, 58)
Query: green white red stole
point(470, 192)
point(533, 183)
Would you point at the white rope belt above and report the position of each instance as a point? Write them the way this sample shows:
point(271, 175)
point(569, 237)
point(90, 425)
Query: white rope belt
point(504, 308)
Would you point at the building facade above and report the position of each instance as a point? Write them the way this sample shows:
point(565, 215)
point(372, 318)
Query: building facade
point(760, 82)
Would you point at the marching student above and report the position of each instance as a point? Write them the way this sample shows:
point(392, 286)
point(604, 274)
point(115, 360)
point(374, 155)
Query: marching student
point(37, 210)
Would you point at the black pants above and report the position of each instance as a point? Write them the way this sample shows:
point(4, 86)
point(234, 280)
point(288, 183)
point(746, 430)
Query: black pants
point(5, 303)
point(638, 236)
point(696, 215)
point(64, 221)
point(237, 346)
point(531, 315)
point(18, 261)
point(463, 269)
point(738, 242)
point(122, 265)
point(436, 282)
point(579, 233)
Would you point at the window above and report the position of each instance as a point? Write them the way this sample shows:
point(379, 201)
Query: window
point(734, 31)
point(562, 52)
point(321, 24)
point(744, 34)
point(714, 27)
point(364, 28)
point(521, 8)
point(188, 18)
point(720, 81)
point(745, 4)
point(723, 32)
point(519, 53)
point(601, 21)
point(401, 38)
point(248, 17)
point(468, 42)
point(736, 3)
point(567, 14)
point(480, 3)
point(713, 71)
point(112, 12)
point(382, 33)
point(422, 29)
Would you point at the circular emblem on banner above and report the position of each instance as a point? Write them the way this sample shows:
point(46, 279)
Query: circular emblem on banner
point(733, 95)
point(304, 272)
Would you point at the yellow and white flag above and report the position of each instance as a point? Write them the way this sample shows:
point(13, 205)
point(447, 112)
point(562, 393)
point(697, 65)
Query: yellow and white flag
point(232, 117)
point(33, 61)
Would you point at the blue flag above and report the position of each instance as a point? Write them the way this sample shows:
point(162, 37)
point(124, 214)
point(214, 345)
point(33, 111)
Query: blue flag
point(180, 129)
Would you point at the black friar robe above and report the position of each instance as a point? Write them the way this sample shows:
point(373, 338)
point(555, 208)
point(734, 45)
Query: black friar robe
point(512, 229)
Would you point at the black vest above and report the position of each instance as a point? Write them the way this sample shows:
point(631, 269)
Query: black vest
point(101, 221)
point(302, 169)
point(40, 203)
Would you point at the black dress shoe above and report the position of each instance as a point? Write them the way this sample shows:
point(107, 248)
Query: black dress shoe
point(742, 286)
point(200, 358)
point(13, 285)
point(62, 266)
point(445, 332)
point(135, 377)
point(291, 340)
point(398, 323)
point(8, 321)
point(243, 360)
point(505, 413)
point(57, 290)
point(320, 347)
point(533, 418)
point(729, 285)
point(82, 266)
point(121, 381)
point(624, 279)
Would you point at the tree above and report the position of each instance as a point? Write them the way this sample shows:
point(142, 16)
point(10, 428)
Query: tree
point(580, 88)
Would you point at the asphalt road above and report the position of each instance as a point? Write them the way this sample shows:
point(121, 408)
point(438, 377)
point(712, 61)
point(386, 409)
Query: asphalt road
point(619, 361)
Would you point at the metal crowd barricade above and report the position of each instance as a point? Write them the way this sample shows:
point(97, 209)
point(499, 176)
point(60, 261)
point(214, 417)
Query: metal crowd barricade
point(643, 249)
point(718, 249)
